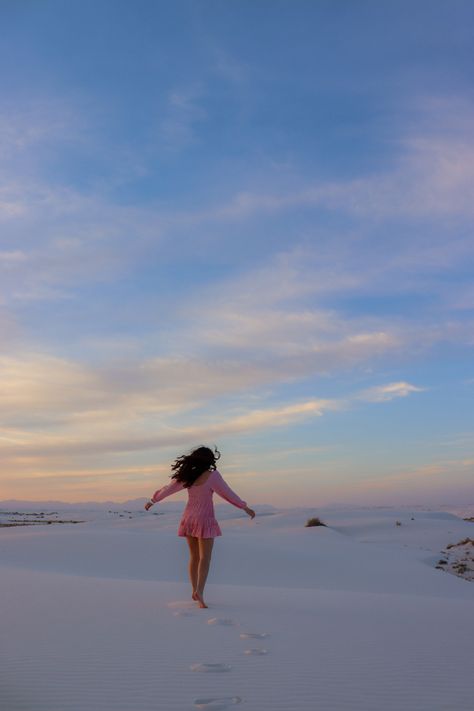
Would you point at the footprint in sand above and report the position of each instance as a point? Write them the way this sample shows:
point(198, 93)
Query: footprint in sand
point(182, 604)
point(254, 635)
point(218, 667)
point(220, 621)
point(183, 613)
point(217, 704)
point(256, 652)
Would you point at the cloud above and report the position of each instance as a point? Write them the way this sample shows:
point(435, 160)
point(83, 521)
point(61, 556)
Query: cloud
point(41, 390)
point(383, 393)
point(37, 448)
point(260, 419)
point(182, 114)
point(37, 123)
point(272, 314)
point(68, 239)
point(233, 342)
point(39, 386)
point(72, 236)
point(432, 176)
point(10, 331)
point(13, 257)
point(59, 230)
point(229, 68)
point(434, 473)
point(273, 310)
point(50, 406)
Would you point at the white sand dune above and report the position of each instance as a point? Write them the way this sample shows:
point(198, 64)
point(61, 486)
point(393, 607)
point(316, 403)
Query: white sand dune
point(354, 617)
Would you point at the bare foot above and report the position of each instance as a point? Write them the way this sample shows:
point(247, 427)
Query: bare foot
point(194, 595)
point(200, 600)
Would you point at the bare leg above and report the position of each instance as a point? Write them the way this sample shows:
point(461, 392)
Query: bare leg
point(193, 563)
point(205, 553)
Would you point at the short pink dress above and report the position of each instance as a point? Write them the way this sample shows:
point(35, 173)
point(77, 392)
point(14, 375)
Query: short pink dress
point(198, 518)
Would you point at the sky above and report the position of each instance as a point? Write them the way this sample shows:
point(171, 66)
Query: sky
point(246, 224)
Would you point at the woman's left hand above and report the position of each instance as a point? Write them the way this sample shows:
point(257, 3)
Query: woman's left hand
point(148, 505)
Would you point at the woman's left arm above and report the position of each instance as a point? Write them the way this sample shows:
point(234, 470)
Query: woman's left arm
point(223, 489)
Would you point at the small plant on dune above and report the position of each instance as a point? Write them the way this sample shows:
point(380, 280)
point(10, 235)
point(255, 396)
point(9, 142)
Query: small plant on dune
point(398, 523)
point(461, 543)
point(314, 522)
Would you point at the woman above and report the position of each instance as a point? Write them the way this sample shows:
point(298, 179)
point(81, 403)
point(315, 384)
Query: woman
point(197, 472)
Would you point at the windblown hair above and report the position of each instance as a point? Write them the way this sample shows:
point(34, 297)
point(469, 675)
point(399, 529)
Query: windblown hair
point(189, 467)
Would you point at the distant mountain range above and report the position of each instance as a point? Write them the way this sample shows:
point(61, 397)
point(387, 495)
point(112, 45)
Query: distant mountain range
point(461, 510)
point(18, 503)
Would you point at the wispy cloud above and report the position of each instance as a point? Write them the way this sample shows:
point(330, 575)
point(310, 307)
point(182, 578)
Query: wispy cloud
point(243, 336)
point(183, 114)
point(29, 446)
point(431, 176)
point(51, 406)
point(39, 390)
point(383, 393)
point(184, 257)
point(435, 472)
point(69, 235)
point(40, 122)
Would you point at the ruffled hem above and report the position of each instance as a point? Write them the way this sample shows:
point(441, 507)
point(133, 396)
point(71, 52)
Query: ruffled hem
point(203, 528)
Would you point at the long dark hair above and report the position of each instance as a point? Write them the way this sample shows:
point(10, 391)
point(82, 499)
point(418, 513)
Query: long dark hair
point(188, 467)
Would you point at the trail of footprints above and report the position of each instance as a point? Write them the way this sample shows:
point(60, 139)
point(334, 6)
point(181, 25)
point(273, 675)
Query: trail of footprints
point(221, 703)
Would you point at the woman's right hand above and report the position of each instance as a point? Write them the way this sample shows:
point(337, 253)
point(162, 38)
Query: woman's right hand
point(148, 505)
point(250, 512)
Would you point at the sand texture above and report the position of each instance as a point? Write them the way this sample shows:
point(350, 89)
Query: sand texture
point(353, 617)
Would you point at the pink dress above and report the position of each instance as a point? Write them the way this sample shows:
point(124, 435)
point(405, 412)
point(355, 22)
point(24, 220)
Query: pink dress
point(198, 517)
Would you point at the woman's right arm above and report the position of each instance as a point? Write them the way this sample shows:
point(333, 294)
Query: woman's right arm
point(165, 491)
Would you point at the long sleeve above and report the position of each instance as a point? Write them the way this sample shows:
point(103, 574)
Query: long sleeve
point(167, 490)
point(220, 487)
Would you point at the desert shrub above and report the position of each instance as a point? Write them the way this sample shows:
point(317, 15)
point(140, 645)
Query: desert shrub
point(314, 522)
point(461, 543)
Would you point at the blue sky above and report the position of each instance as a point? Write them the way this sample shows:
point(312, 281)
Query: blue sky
point(242, 223)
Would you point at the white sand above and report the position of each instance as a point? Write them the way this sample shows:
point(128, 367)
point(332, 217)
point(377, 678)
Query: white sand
point(355, 617)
